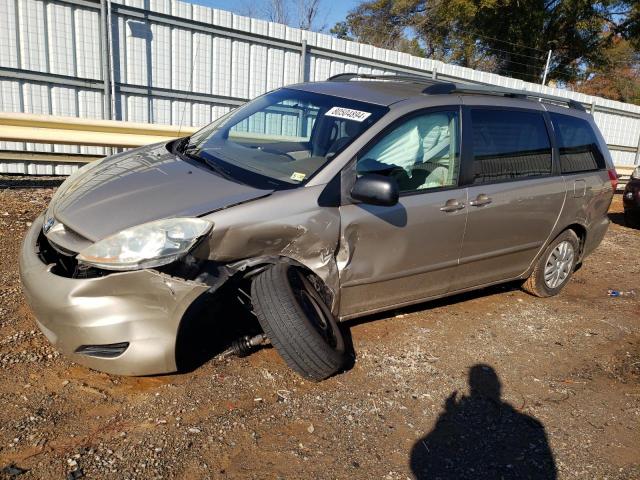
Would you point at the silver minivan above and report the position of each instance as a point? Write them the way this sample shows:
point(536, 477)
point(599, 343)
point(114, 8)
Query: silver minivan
point(321, 202)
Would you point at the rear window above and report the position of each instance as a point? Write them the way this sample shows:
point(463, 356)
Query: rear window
point(509, 144)
point(579, 149)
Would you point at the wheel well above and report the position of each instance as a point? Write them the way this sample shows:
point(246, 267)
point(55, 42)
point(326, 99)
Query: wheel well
point(257, 266)
point(581, 232)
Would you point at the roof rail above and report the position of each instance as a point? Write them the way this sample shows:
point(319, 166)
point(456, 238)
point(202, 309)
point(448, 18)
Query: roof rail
point(438, 87)
point(342, 77)
point(450, 87)
point(346, 77)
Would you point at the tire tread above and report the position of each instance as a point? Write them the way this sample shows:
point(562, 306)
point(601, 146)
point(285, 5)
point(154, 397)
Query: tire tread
point(301, 347)
point(534, 285)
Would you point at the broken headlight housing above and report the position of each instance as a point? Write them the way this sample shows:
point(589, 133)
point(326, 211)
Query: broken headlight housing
point(148, 245)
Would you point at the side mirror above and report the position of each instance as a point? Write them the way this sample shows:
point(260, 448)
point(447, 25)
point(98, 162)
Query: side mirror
point(376, 190)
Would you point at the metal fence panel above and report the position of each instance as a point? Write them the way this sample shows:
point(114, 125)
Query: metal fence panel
point(8, 34)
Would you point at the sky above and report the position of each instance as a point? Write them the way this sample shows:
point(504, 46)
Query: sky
point(331, 11)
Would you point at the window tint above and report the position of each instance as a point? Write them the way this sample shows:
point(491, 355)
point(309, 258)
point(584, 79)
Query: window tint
point(421, 153)
point(509, 144)
point(579, 150)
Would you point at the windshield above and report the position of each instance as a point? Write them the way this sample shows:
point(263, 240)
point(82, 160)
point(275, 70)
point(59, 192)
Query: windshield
point(281, 139)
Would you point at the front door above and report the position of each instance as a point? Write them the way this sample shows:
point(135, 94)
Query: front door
point(515, 195)
point(401, 254)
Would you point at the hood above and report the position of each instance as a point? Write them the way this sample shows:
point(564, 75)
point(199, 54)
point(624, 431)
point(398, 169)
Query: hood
point(139, 186)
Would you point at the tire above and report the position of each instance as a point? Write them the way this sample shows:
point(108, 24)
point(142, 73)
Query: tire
point(536, 284)
point(298, 322)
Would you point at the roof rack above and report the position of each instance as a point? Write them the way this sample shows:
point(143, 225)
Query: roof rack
point(346, 77)
point(342, 77)
point(436, 87)
point(450, 87)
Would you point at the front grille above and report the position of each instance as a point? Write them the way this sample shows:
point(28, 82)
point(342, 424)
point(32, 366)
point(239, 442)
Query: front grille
point(64, 265)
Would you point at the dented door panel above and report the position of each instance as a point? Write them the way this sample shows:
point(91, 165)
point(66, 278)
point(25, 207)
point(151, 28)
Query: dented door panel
point(398, 255)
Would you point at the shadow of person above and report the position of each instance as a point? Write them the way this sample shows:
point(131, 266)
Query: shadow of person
point(481, 437)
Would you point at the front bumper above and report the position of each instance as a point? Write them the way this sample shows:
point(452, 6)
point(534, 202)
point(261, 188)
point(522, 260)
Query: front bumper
point(143, 308)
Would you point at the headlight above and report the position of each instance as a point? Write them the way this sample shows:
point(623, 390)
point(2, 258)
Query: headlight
point(48, 220)
point(636, 173)
point(148, 245)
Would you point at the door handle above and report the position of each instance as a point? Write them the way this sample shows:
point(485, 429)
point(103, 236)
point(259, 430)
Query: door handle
point(482, 199)
point(452, 205)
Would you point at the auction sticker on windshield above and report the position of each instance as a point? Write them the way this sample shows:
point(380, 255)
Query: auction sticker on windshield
point(348, 114)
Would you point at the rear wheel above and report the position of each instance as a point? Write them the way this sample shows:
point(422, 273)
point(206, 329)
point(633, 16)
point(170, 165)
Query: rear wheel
point(555, 267)
point(298, 322)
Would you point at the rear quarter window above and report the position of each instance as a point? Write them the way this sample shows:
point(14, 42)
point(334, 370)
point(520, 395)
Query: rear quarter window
point(578, 144)
point(509, 144)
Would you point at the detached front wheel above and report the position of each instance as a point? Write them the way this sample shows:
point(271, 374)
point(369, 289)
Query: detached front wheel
point(298, 322)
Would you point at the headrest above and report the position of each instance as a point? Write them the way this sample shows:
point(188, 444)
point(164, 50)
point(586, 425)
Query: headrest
point(351, 128)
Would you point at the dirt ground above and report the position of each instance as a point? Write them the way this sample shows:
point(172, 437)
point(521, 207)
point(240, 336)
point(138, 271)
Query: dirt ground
point(493, 384)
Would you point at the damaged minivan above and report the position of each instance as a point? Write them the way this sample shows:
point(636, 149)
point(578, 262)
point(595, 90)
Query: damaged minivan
point(328, 201)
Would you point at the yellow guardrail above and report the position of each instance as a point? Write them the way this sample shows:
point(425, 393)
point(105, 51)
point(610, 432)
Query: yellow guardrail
point(625, 170)
point(26, 127)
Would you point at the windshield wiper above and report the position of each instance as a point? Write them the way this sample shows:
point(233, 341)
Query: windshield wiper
point(194, 154)
point(186, 150)
point(181, 144)
point(218, 169)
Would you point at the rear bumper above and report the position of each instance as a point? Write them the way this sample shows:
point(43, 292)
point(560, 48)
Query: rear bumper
point(143, 308)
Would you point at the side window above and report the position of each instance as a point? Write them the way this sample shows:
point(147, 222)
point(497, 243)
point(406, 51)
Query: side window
point(509, 144)
point(579, 150)
point(421, 153)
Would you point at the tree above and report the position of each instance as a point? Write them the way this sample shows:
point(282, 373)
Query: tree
point(276, 11)
point(509, 37)
point(619, 78)
point(629, 28)
point(307, 13)
point(301, 14)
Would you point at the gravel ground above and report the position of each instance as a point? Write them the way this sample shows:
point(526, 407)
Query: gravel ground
point(493, 384)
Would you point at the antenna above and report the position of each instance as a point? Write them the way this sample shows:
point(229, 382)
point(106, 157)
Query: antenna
point(188, 101)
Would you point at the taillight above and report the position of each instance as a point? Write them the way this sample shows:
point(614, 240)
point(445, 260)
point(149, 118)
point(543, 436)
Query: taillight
point(613, 177)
